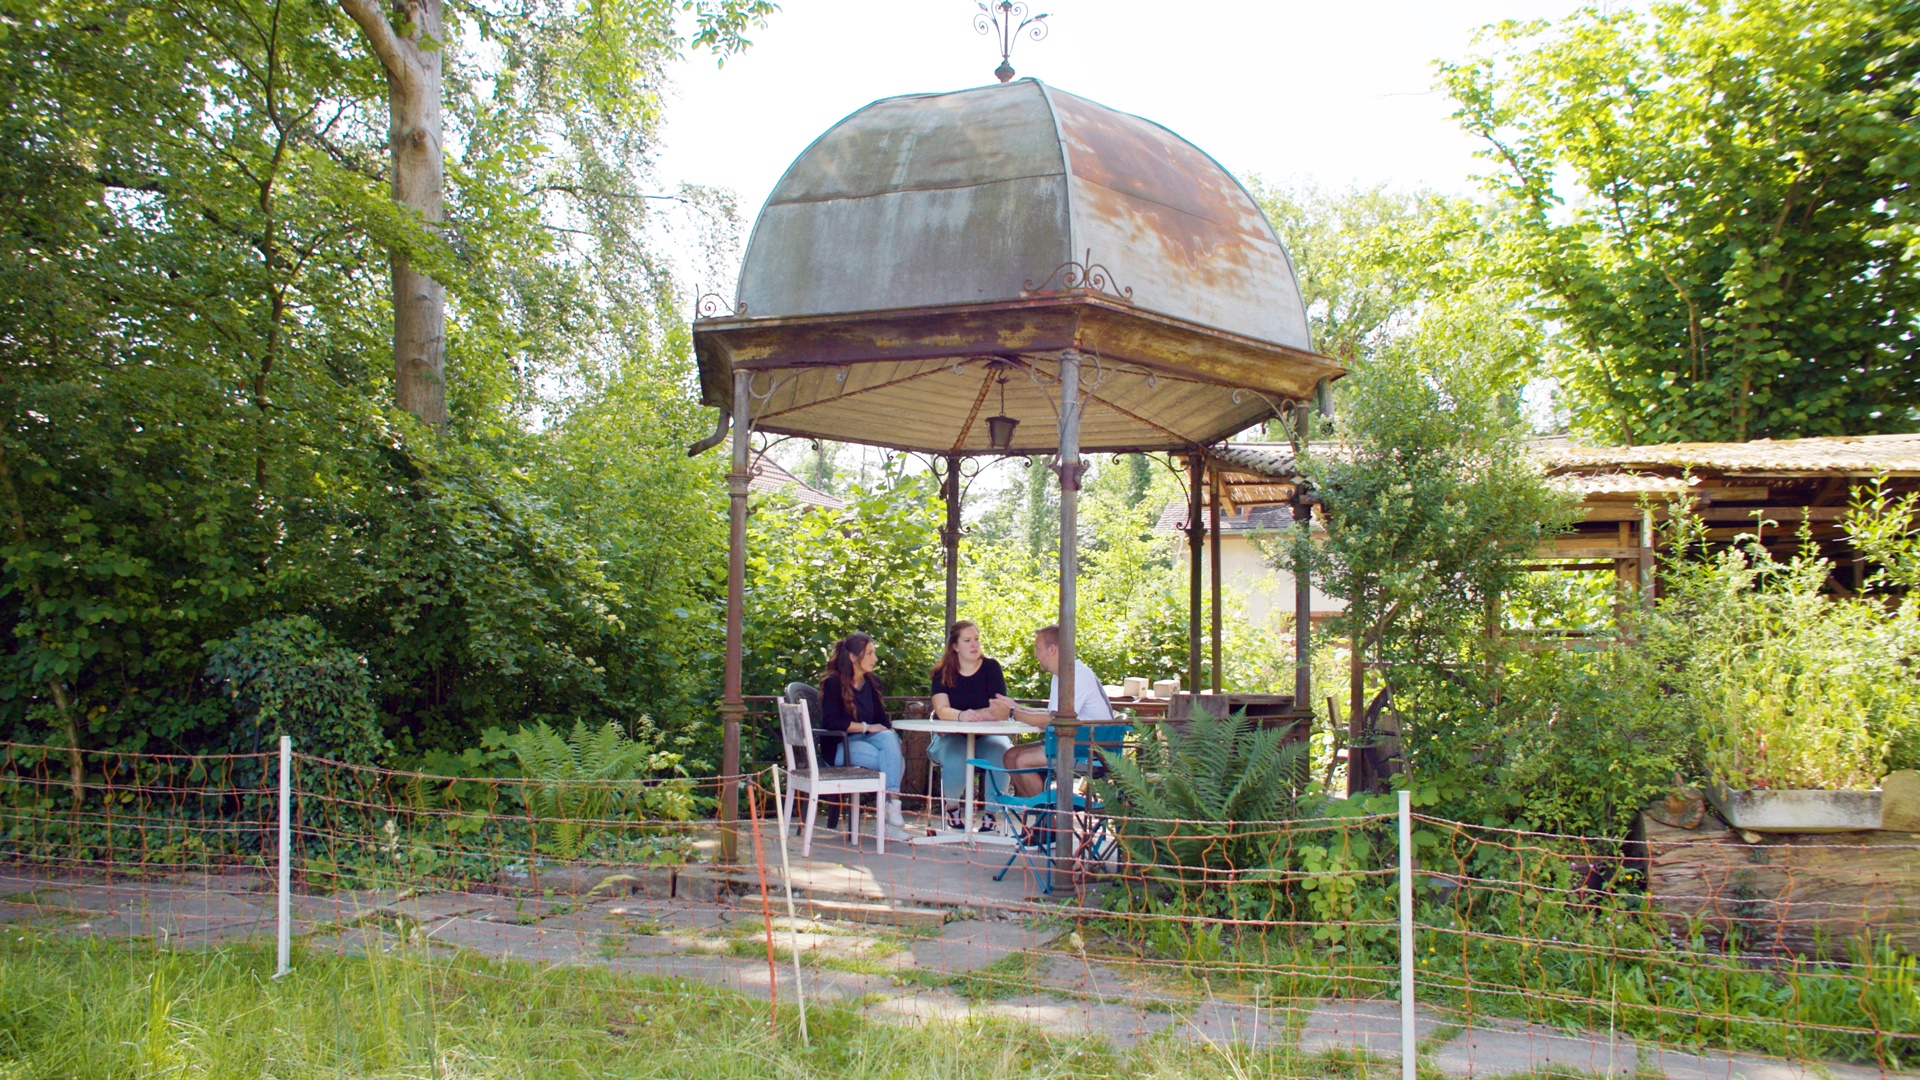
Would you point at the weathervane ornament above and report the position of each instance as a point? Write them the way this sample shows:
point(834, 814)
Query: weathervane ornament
point(1008, 21)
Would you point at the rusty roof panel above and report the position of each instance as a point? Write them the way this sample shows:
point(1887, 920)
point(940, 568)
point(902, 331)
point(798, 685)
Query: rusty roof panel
point(987, 194)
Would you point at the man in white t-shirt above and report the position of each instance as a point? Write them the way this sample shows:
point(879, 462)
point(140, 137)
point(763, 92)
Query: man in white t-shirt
point(1089, 705)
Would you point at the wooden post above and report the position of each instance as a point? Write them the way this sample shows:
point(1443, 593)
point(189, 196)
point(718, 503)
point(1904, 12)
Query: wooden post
point(1213, 567)
point(1196, 534)
point(1359, 777)
point(1066, 718)
point(1646, 559)
point(732, 703)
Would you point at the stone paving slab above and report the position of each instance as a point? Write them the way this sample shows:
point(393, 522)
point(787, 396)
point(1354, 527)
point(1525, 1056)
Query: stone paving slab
point(1371, 1027)
point(1120, 1025)
point(20, 915)
point(507, 941)
point(1090, 978)
point(1530, 1048)
point(971, 944)
point(15, 880)
point(162, 912)
point(1680, 1065)
point(1221, 1023)
point(750, 976)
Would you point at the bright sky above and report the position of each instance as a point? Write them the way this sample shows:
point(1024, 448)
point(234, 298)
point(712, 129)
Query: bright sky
point(1340, 92)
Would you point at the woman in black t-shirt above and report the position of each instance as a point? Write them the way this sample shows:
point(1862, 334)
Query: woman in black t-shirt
point(965, 684)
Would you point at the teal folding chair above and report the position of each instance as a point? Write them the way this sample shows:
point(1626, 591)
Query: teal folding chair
point(1032, 816)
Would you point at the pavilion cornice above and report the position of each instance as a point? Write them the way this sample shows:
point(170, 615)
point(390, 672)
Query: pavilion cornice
point(1110, 331)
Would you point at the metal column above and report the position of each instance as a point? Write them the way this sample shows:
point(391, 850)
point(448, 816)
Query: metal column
point(1066, 719)
point(1213, 567)
point(950, 538)
point(1302, 579)
point(732, 704)
point(1196, 535)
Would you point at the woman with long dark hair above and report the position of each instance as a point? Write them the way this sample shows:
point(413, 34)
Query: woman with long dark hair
point(966, 683)
point(850, 701)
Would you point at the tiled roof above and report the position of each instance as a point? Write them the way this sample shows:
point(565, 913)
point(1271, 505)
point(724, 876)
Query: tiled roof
point(1857, 455)
point(1256, 519)
point(769, 475)
point(1617, 483)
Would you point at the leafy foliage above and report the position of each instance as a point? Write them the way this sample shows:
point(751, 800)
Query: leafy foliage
point(817, 576)
point(286, 677)
point(1790, 688)
point(592, 780)
point(194, 421)
point(1431, 502)
point(1197, 804)
point(1715, 202)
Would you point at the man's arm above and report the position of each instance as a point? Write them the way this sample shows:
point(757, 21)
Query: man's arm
point(1036, 717)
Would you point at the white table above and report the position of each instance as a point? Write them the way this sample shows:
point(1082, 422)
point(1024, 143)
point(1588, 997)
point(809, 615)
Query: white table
point(972, 729)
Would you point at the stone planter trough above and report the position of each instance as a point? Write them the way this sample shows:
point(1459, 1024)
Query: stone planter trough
point(1796, 811)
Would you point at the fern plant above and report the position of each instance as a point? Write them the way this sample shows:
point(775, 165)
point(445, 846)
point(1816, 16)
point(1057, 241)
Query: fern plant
point(592, 778)
point(1196, 806)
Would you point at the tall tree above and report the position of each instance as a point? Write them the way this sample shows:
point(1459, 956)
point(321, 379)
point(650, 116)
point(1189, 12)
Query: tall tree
point(416, 147)
point(608, 60)
point(1715, 201)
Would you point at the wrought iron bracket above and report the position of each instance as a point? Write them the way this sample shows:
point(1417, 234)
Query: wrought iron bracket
point(1086, 278)
point(713, 305)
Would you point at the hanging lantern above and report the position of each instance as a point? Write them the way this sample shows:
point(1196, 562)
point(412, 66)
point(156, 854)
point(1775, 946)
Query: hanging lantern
point(1000, 428)
point(1000, 431)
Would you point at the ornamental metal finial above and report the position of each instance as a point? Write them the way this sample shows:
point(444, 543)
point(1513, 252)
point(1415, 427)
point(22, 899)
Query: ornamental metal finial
point(1009, 21)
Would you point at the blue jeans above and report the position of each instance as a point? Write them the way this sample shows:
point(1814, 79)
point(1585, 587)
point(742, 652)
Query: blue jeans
point(877, 750)
point(950, 750)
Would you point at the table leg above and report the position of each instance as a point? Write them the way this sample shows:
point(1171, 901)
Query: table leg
point(969, 793)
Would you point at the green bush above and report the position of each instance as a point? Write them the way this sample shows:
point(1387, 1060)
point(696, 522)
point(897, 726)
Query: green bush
point(1789, 687)
point(287, 677)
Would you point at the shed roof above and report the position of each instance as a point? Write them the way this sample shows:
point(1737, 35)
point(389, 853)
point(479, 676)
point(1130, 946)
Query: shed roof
point(1848, 455)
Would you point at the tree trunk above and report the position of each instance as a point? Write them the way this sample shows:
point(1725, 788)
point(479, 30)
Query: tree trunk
point(415, 144)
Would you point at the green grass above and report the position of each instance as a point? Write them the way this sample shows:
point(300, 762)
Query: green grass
point(81, 1008)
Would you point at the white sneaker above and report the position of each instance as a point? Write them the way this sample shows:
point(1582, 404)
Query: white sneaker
point(898, 834)
point(894, 817)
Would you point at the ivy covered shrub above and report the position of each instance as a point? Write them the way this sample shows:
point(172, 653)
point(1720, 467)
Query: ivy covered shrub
point(286, 676)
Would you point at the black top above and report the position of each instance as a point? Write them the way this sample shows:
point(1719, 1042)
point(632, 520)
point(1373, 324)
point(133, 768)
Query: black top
point(973, 691)
point(867, 706)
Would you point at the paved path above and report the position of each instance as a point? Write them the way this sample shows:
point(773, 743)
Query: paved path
point(1003, 969)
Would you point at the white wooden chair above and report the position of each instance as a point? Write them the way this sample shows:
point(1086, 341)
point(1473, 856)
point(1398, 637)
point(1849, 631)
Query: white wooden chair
point(796, 731)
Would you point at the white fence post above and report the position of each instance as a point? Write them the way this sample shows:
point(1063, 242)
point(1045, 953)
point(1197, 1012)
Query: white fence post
point(286, 857)
point(1408, 1042)
point(793, 918)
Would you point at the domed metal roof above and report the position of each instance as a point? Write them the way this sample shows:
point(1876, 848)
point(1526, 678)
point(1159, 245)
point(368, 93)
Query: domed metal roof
point(930, 260)
point(983, 194)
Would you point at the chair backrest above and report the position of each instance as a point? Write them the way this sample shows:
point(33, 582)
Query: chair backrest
point(797, 730)
point(1088, 736)
point(807, 693)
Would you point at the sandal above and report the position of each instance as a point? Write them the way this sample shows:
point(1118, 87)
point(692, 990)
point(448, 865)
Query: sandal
point(955, 821)
point(987, 824)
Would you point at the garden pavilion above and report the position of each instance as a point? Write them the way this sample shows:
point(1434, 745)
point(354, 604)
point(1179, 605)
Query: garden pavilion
point(1006, 270)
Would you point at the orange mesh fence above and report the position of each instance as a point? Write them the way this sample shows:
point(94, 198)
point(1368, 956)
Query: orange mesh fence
point(1568, 951)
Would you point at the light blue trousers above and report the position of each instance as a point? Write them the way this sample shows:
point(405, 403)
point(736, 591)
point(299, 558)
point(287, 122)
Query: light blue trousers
point(950, 750)
point(879, 751)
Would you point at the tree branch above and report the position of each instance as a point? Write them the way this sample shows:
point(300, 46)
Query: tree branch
point(384, 42)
